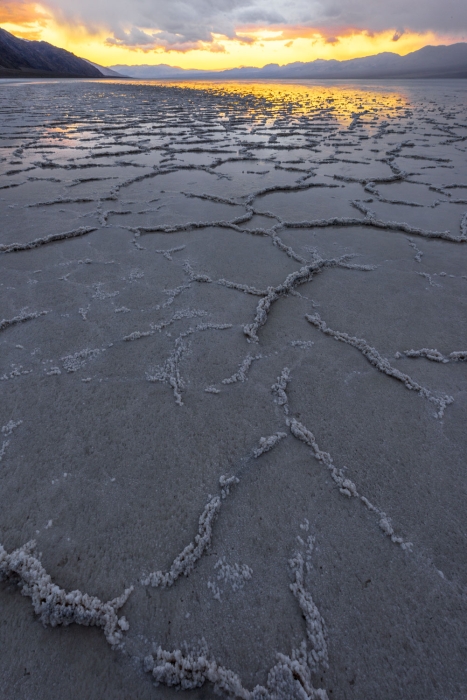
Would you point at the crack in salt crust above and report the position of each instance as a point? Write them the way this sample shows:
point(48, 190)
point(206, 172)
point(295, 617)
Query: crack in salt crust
point(382, 364)
point(55, 606)
point(289, 679)
point(185, 562)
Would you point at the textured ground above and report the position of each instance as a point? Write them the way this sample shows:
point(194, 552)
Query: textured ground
point(233, 377)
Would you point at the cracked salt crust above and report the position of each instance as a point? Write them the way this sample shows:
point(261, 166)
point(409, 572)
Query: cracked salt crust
point(264, 139)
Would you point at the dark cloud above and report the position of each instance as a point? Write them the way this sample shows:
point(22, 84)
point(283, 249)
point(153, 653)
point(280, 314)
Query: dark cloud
point(256, 15)
point(449, 16)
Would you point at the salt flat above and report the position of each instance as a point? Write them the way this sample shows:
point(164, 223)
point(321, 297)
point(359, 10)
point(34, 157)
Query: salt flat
point(234, 395)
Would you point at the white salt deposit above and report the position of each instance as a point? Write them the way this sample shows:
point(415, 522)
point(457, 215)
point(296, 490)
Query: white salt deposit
point(382, 364)
point(305, 274)
point(14, 247)
point(435, 355)
point(78, 360)
point(289, 679)
point(418, 252)
point(234, 574)
point(346, 486)
point(55, 606)
point(185, 562)
point(22, 316)
point(241, 374)
point(10, 427)
point(279, 389)
point(169, 372)
point(266, 444)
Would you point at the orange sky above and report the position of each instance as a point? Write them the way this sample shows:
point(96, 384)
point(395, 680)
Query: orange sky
point(257, 46)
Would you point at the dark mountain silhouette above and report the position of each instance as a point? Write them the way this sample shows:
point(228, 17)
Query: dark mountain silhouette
point(38, 59)
point(429, 62)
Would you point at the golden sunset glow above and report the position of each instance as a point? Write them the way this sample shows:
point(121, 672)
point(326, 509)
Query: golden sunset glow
point(301, 99)
point(256, 46)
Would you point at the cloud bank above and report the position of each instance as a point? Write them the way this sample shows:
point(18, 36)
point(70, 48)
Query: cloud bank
point(184, 25)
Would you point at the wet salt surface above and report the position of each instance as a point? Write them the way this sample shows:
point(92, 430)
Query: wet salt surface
point(231, 501)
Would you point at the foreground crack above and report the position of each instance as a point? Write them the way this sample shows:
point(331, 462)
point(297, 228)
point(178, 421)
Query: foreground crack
point(295, 279)
point(289, 679)
point(53, 604)
point(185, 562)
point(37, 242)
point(382, 364)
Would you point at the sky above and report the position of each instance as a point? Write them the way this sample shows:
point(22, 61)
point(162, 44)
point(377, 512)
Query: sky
point(219, 34)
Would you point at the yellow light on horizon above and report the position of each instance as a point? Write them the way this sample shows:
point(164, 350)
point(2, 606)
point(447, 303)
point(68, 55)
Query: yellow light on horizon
point(267, 46)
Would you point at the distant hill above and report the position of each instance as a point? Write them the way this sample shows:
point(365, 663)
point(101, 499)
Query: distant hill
point(429, 62)
point(20, 58)
point(107, 72)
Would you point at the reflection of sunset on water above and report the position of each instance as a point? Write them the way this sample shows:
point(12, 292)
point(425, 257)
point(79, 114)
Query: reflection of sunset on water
point(337, 101)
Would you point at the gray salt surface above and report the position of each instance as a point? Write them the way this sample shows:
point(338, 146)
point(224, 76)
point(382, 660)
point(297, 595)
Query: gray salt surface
point(223, 498)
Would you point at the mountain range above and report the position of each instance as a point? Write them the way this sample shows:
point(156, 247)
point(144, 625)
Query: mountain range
point(429, 62)
point(38, 59)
